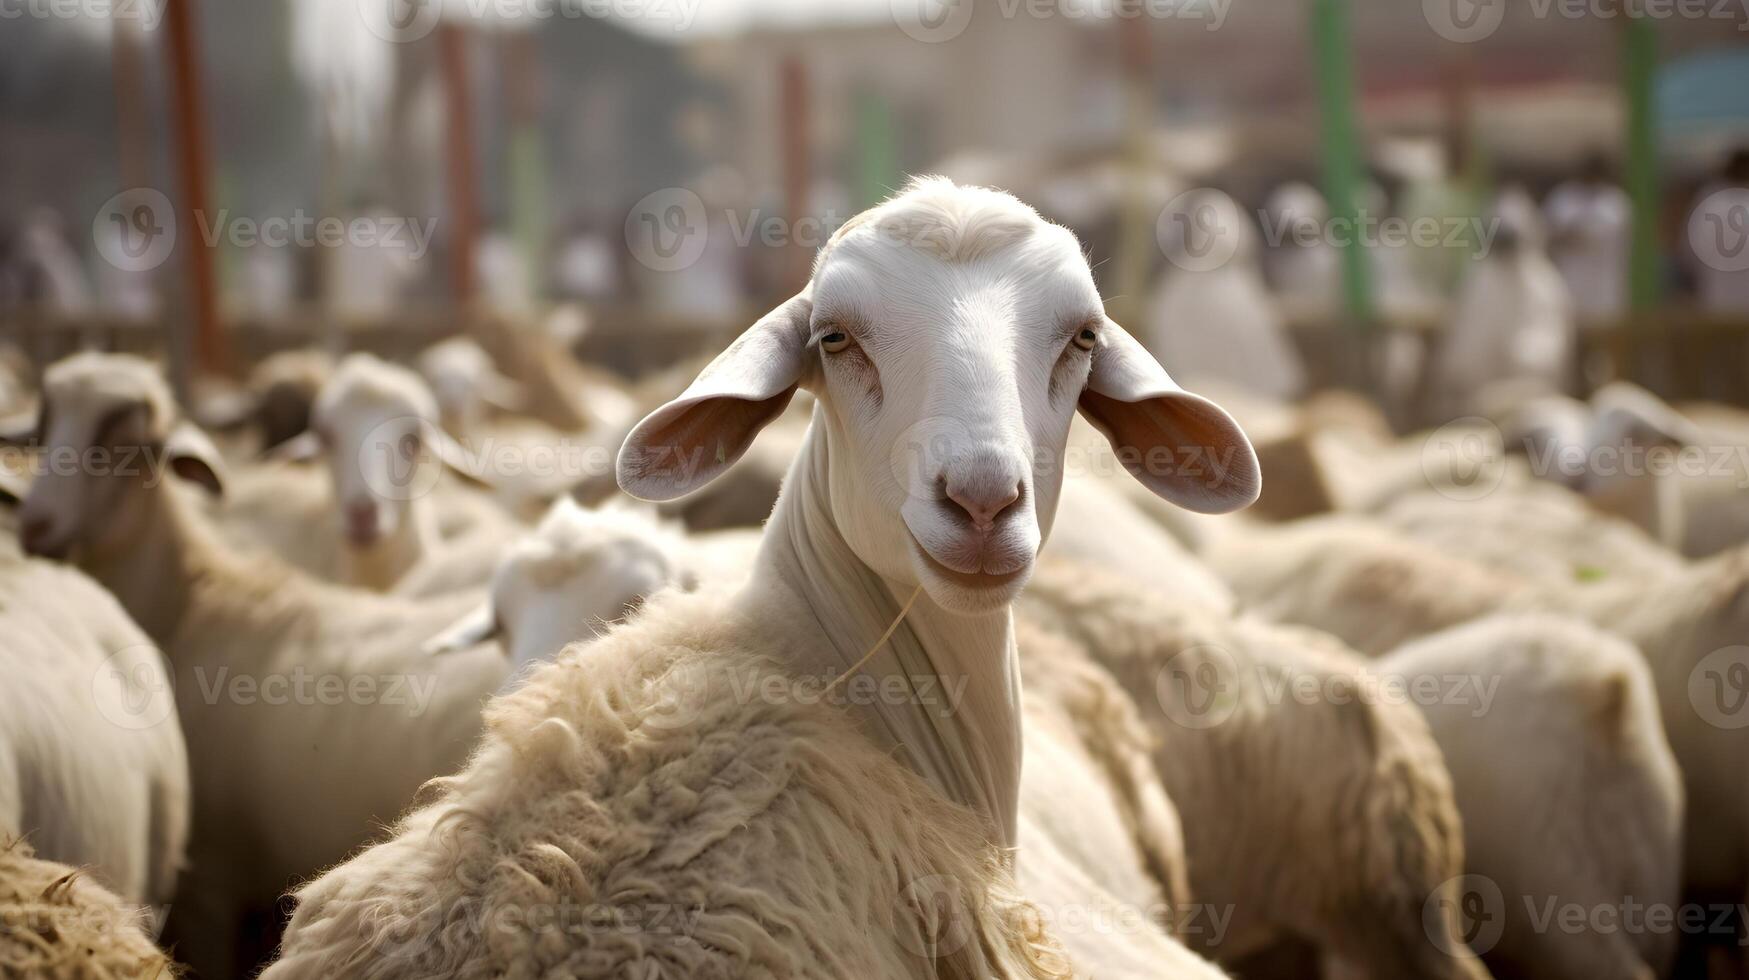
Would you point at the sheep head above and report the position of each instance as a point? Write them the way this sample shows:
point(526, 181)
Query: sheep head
point(109, 428)
point(948, 335)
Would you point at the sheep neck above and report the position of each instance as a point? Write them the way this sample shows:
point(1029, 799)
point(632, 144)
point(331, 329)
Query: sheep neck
point(153, 566)
point(381, 564)
point(943, 692)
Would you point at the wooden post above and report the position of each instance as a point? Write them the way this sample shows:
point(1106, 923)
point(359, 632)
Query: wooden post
point(529, 209)
point(211, 349)
point(1639, 72)
point(1342, 159)
point(793, 118)
point(128, 78)
point(459, 156)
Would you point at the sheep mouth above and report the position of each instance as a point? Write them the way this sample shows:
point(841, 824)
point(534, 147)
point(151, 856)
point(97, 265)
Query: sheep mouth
point(970, 580)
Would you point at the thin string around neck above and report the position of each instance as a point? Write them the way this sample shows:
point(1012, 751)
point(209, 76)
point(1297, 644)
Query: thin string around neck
point(853, 668)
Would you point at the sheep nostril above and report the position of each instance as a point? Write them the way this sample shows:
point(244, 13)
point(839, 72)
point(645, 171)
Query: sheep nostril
point(983, 505)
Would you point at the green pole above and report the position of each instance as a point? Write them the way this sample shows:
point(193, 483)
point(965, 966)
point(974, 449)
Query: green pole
point(1639, 70)
point(877, 167)
point(1342, 165)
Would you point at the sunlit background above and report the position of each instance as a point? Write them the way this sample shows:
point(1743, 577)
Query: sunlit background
point(672, 164)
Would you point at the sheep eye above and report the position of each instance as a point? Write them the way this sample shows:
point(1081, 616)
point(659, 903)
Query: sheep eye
point(834, 342)
point(1086, 338)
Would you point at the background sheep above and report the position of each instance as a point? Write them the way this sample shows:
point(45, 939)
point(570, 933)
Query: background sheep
point(92, 765)
point(1569, 793)
point(1354, 791)
point(58, 923)
point(283, 783)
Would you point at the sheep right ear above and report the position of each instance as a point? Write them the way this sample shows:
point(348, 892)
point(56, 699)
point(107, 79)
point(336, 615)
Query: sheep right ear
point(690, 441)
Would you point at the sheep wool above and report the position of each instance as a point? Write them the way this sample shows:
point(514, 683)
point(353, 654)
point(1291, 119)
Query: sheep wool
point(58, 923)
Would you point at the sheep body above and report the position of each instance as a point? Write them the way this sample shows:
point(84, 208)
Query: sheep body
point(58, 923)
point(628, 776)
point(93, 770)
point(1349, 850)
point(1568, 789)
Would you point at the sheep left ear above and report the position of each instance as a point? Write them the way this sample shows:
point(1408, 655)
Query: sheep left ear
point(474, 628)
point(690, 441)
point(1181, 446)
point(193, 457)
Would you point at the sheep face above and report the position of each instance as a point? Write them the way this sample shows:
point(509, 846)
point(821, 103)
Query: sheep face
point(375, 423)
point(109, 430)
point(948, 335)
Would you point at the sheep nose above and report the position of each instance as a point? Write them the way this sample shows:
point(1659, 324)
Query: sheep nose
point(983, 500)
point(34, 535)
point(361, 520)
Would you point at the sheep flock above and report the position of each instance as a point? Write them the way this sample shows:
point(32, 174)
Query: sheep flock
point(931, 630)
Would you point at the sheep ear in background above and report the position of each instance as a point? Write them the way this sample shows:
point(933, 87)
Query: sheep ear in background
point(455, 456)
point(193, 457)
point(474, 628)
point(1624, 412)
point(1181, 446)
point(300, 448)
point(690, 441)
point(502, 393)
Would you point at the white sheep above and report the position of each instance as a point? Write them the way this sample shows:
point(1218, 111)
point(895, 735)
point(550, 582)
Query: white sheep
point(311, 714)
point(699, 757)
point(1326, 816)
point(1569, 793)
point(467, 384)
point(93, 770)
point(1377, 590)
point(58, 923)
point(376, 424)
point(582, 570)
